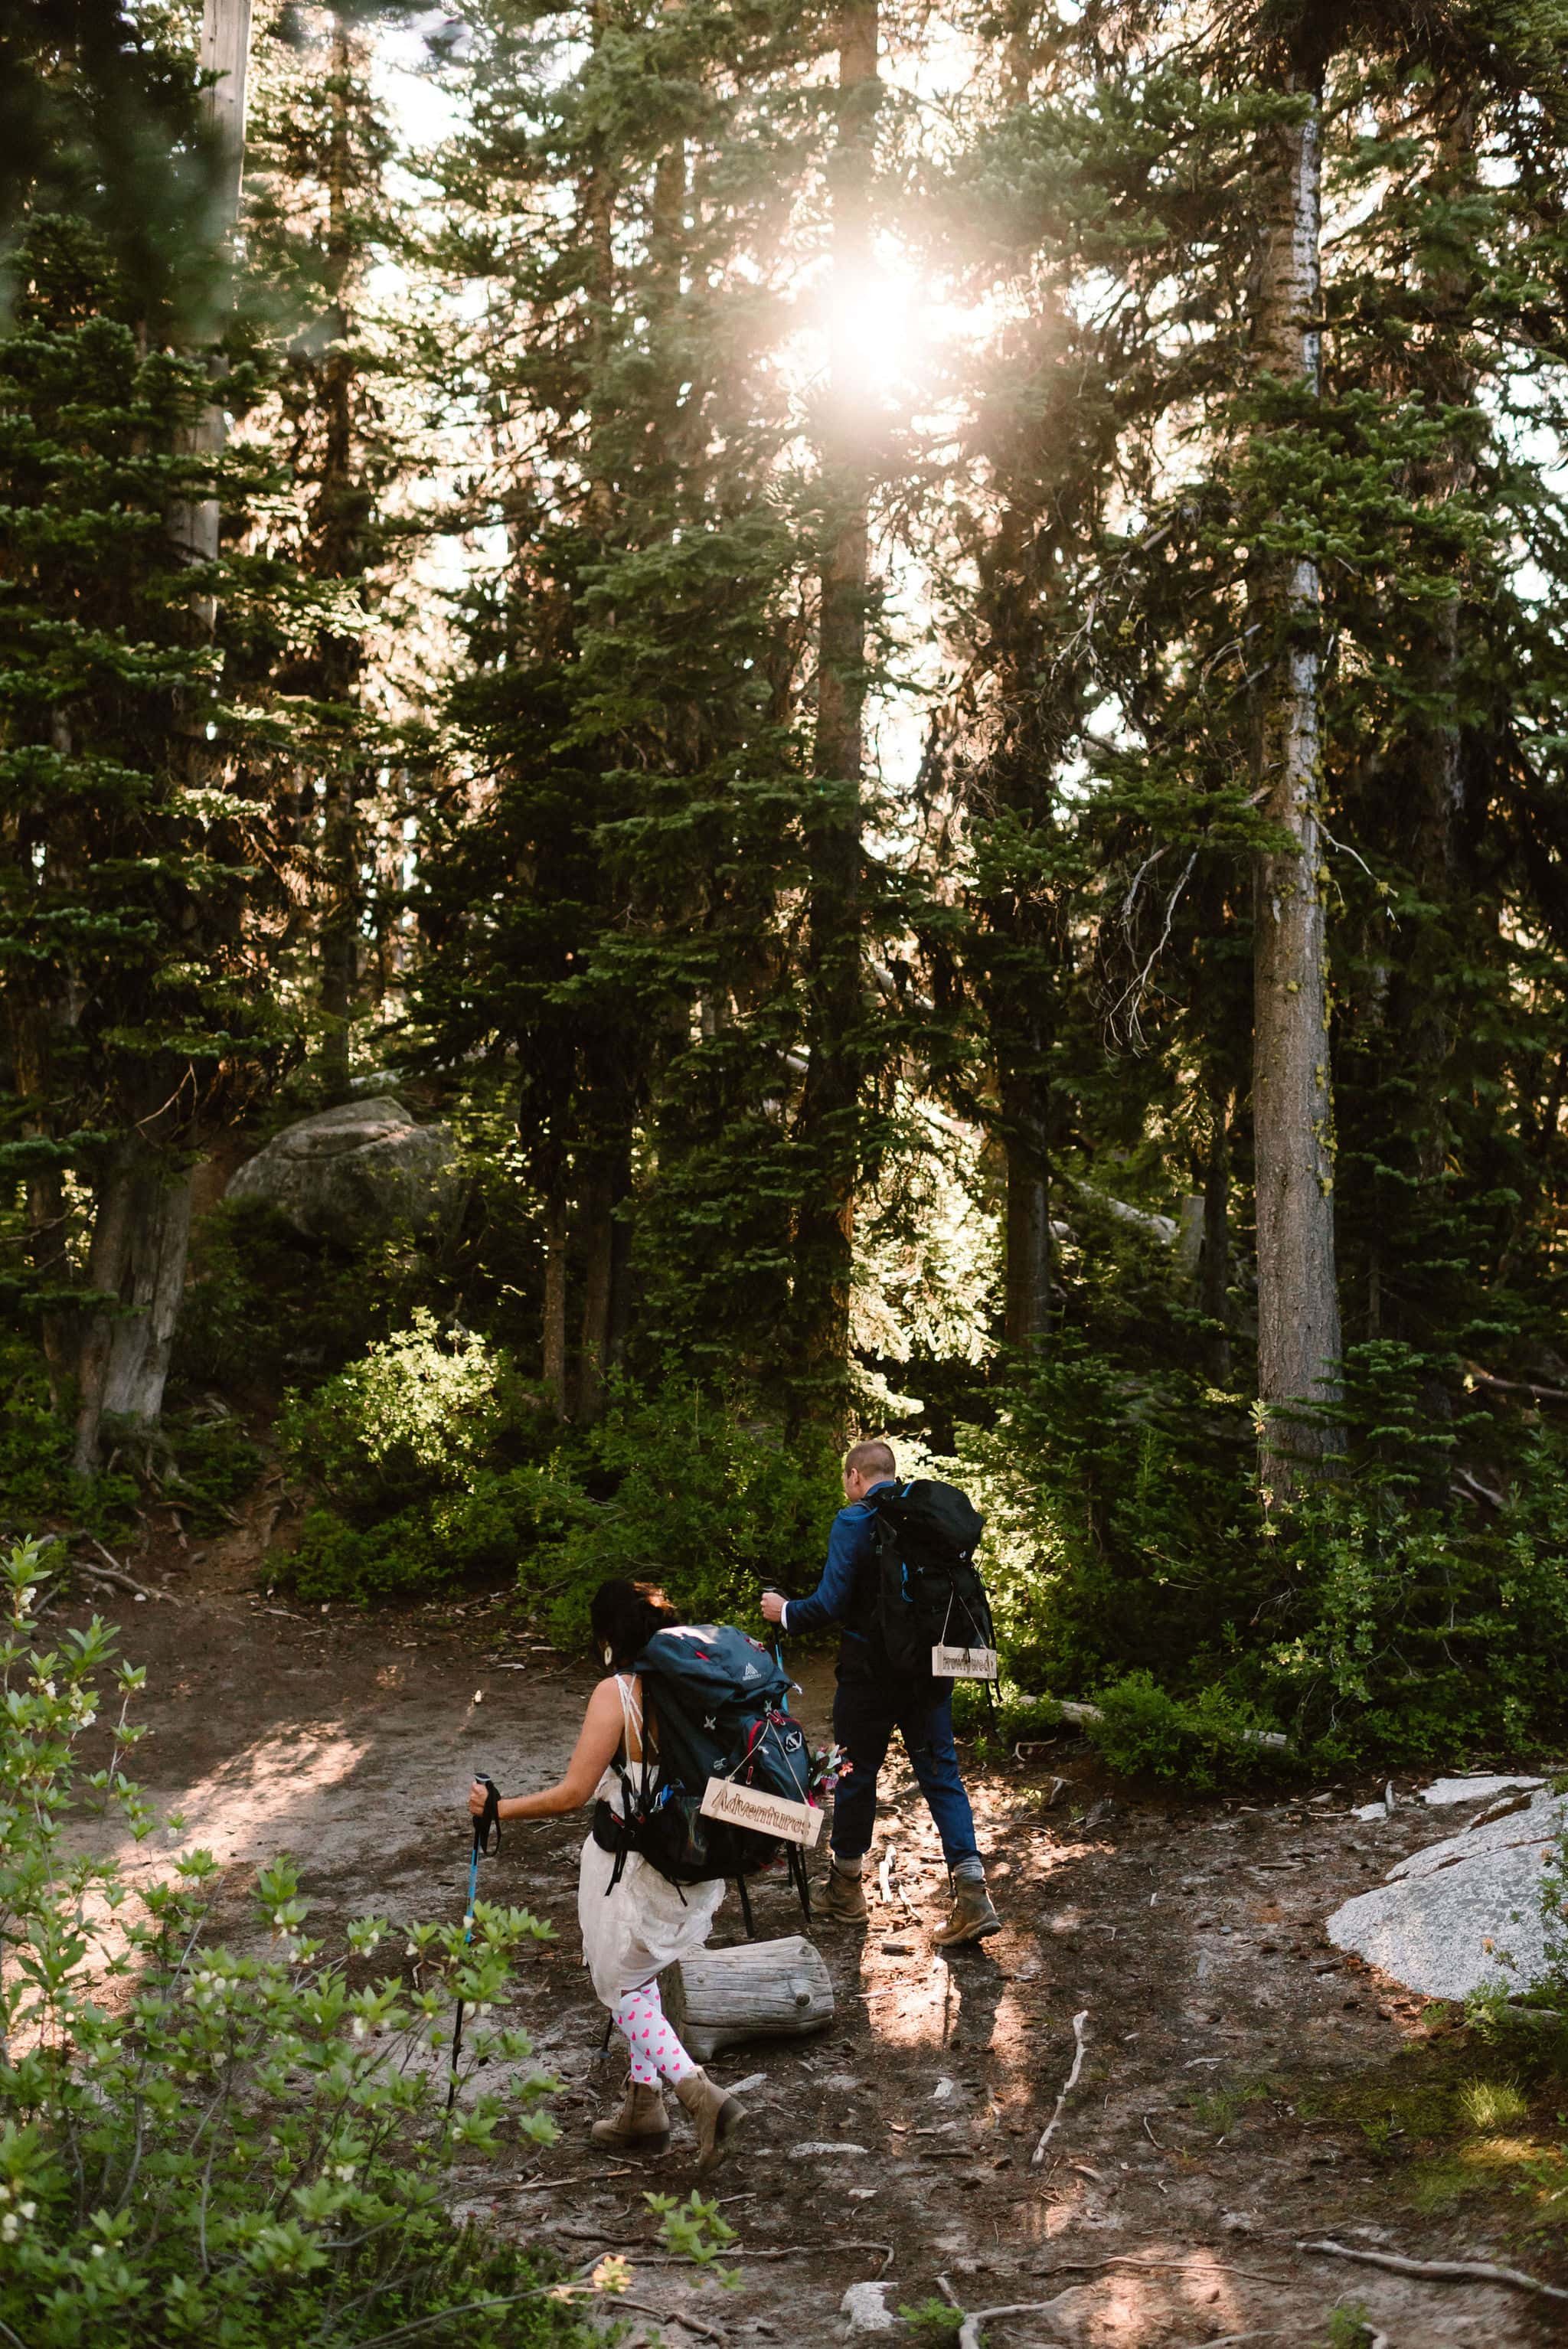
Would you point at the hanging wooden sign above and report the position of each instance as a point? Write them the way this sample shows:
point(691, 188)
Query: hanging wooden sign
point(769, 1815)
point(963, 1663)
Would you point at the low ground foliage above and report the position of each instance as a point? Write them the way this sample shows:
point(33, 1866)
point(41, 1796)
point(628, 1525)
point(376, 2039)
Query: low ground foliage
point(206, 2143)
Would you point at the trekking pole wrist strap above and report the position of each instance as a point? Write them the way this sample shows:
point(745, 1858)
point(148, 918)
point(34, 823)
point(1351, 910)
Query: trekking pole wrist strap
point(487, 1827)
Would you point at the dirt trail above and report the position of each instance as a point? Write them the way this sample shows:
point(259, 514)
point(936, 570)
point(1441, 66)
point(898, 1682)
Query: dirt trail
point(1189, 2162)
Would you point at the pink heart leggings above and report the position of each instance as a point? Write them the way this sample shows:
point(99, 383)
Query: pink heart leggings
point(640, 2017)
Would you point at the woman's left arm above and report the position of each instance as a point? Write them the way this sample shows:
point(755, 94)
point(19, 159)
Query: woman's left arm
point(596, 1744)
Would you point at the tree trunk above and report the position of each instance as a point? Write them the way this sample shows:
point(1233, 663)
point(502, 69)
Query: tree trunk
point(141, 1222)
point(1298, 1308)
point(154, 1284)
point(108, 1259)
point(1425, 1001)
point(1213, 1283)
point(597, 1209)
point(556, 1241)
point(1028, 1233)
point(830, 1095)
point(224, 51)
point(340, 554)
point(606, 1237)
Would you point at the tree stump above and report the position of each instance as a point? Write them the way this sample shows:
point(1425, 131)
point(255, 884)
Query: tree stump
point(760, 1990)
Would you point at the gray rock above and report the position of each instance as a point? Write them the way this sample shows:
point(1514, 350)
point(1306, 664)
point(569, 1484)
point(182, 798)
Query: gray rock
point(1463, 1914)
point(864, 2306)
point(356, 1174)
point(1472, 1790)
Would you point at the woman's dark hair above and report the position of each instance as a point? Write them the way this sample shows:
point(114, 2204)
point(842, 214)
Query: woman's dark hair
point(624, 1617)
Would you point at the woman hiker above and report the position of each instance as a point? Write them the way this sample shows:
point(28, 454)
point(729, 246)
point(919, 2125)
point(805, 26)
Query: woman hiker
point(632, 1929)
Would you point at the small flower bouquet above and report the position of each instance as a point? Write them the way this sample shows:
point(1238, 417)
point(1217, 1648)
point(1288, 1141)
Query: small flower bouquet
point(829, 1764)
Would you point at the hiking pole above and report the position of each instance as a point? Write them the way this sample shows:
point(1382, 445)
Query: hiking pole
point(487, 1840)
point(800, 1875)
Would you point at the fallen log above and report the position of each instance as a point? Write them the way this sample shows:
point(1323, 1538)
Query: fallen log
point(760, 1990)
point(1085, 1715)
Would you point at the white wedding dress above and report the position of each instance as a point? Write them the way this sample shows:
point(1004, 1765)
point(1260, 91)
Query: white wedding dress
point(630, 1933)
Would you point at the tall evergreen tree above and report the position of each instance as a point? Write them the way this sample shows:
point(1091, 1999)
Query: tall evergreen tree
point(319, 221)
point(837, 945)
point(613, 899)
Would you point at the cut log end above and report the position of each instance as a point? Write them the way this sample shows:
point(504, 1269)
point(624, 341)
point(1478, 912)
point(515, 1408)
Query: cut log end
point(761, 1989)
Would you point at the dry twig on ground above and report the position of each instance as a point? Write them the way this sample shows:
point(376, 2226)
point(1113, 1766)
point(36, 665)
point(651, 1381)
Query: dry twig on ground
point(1067, 2086)
point(112, 1571)
point(1440, 2271)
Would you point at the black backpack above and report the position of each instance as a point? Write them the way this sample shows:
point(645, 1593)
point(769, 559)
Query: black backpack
point(927, 1590)
point(717, 1703)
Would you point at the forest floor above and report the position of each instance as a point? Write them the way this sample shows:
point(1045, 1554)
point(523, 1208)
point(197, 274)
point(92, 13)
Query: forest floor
point(1245, 2092)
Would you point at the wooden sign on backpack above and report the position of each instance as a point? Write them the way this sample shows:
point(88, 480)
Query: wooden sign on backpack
point(768, 1814)
point(963, 1664)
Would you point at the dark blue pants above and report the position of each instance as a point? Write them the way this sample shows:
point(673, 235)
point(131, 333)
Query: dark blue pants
point(867, 1708)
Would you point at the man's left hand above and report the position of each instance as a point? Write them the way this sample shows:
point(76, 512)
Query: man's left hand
point(772, 1606)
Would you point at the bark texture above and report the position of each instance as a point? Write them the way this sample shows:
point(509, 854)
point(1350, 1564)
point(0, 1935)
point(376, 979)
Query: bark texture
point(141, 1222)
point(1027, 1303)
point(341, 554)
point(1298, 1308)
point(829, 1108)
point(762, 1990)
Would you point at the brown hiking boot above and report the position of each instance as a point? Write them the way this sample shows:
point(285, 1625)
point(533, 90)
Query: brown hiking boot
point(973, 1916)
point(642, 2123)
point(715, 2113)
point(843, 1899)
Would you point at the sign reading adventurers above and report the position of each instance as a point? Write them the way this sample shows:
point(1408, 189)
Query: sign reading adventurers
point(770, 1814)
point(963, 1664)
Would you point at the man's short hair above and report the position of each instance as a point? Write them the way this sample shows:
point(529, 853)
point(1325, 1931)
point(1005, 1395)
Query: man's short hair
point(861, 1458)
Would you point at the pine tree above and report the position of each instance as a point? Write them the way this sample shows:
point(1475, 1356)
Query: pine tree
point(837, 944)
point(612, 899)
point(139, 917)
point(318, 219)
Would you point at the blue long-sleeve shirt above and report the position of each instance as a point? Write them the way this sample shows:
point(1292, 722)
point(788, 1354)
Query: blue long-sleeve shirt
point(849, 1547)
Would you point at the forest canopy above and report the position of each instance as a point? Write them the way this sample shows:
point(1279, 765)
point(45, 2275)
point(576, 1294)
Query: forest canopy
point(885, 696)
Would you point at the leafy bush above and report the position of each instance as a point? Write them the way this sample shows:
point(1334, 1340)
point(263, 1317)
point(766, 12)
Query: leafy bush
point(410, 1448)
point(36, 1486)
point(1203, 1739)
point(265, 1303)
point(1382, 1614)
point(680, 1486)
point(199, 1459)
point(1004, 1714)
point(500, 1516)
point(250, 2149)
point(418, 1453)
point(414, 1416)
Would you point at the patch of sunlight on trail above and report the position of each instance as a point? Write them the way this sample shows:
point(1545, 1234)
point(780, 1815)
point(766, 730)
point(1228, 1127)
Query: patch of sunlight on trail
point(245, 1812)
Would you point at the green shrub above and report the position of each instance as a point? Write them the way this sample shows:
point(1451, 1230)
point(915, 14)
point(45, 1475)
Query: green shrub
point(414, 1416)
point(247, 2149)
point(1005, 1715)
point(1378, 1615)
point(502, 1515)
point(676, 1484)
point(199, 1460)
point(36, 1486)
point(1202, 1739)
point(418, 1453)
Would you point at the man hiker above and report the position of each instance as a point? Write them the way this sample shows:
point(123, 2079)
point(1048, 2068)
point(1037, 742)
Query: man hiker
point(872, 1701)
